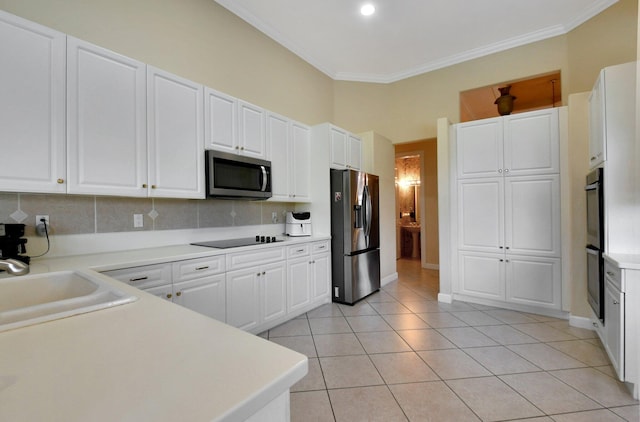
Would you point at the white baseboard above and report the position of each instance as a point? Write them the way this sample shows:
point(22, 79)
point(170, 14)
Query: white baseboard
point(581, 322)
point(445, 298)
point(388, 279)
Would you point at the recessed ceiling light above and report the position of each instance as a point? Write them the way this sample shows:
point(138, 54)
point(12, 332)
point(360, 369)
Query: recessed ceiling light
point(368, 9)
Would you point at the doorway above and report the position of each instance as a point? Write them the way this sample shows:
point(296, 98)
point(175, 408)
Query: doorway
point(417, 202)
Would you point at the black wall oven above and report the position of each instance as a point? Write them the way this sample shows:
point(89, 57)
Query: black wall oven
point(595, 241)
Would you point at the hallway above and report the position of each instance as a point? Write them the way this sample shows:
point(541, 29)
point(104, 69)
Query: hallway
point(400, 355)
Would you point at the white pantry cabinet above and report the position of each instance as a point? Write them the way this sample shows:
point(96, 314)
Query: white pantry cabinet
point(289, 145)
point(175, 136)
point(233, 125)
point(516, 145)
point(106, 122)
point(507, 209)
point(32, 106)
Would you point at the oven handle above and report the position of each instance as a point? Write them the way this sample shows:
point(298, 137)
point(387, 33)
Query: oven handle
point(592, 251)
point(592, 186)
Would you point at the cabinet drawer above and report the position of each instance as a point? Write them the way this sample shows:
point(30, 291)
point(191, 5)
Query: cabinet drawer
point(143, 277)
point(320, 247)
point(196, 268)
point(239, 260)
point(613, 274)
point(298, 250)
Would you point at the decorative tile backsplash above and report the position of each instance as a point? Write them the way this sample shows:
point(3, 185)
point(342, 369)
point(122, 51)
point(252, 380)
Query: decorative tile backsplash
point(73, 214)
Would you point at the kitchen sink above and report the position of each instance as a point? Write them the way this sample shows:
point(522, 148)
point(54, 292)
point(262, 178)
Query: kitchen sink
point(39, 298)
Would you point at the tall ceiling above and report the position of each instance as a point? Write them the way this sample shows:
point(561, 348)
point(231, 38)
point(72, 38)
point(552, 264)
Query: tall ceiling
point(405, 38)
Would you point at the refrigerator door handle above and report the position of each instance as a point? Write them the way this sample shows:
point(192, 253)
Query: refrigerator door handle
point(367, 213)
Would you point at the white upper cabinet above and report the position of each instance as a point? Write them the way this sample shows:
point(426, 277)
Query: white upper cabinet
point(531, 143)
point(106, 122)
point(221, 121)
point(480, 148)
point(597, 122)
point(300, 166)
point(175, 136)
point(278, 140)
point(345, 148)
point(233, 125)
point(32, 106)
point(289, 146)
point(516, 145)
point(251, 130)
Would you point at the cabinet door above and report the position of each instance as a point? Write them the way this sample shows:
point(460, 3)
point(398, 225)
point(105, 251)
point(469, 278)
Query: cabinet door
point(163, 292)
point(106, 130)
point(175, 134)
point(205, 296)
point(251, 130)
point(531, 143)
point(220, 121)
point(338, 141)
point(532, 215)
point(280, 154)
point(482, 275)
point(321, 276)
point(533, 281)
point(273, 292)
point(299, 283)
point(597, 129)
point(32, 107)
point(354, 153)
point(614, 327)
point(243, 298)
point(479, 148)
point(481, 214)
point(300, 173)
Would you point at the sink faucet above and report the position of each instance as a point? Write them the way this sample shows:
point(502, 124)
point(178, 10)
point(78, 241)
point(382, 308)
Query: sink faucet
point(13, 266)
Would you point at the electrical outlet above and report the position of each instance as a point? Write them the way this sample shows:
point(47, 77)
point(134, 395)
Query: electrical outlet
point(40, 217)
point(138, 221)
point(274, 217)
point(40, 226)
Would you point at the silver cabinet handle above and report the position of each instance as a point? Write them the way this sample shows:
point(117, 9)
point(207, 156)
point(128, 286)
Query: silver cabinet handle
point(506, 170)
point(139, 278)
point(592, 158)
point(615, 302)
point(609, 273)
point(499, 170)
point(202, 268)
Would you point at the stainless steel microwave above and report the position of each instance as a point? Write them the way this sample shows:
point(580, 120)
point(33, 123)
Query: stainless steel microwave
point(231, 176)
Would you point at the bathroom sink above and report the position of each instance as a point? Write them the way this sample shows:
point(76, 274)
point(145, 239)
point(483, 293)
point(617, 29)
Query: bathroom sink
point(39, 298)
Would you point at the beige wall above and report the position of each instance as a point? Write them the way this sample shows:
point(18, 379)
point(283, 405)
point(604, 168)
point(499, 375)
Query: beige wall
point(429, 193)
point(407, 110)
point(196, 39)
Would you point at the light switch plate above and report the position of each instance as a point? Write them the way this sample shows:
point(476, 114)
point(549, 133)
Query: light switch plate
point(138, 220)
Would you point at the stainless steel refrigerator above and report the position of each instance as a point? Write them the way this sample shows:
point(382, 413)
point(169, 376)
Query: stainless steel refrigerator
point(355, 235)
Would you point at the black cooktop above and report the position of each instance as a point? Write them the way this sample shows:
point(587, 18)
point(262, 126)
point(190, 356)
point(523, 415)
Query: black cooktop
point(236, 243)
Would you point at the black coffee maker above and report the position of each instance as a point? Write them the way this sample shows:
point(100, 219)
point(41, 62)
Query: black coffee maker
point(12, 242)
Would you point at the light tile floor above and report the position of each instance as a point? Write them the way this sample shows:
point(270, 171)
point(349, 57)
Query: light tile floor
point(400, 355)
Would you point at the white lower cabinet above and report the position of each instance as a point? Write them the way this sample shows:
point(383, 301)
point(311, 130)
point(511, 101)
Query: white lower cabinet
point(256, 295)
point(524, 280)
point(252, 290)
point(614, 327)
point(197, 284)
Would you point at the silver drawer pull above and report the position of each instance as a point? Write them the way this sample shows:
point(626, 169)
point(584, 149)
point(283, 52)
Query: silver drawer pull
point(615, 302)
point(300, 250)
point(610, 274)
point(139, 278)
point(202, 268)
point(322, 247)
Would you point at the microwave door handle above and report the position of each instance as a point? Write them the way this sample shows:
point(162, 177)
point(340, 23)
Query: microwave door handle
point(264, 179)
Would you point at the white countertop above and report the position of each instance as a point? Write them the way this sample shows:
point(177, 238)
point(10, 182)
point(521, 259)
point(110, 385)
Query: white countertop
point(146, 360)
point(625, 261)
